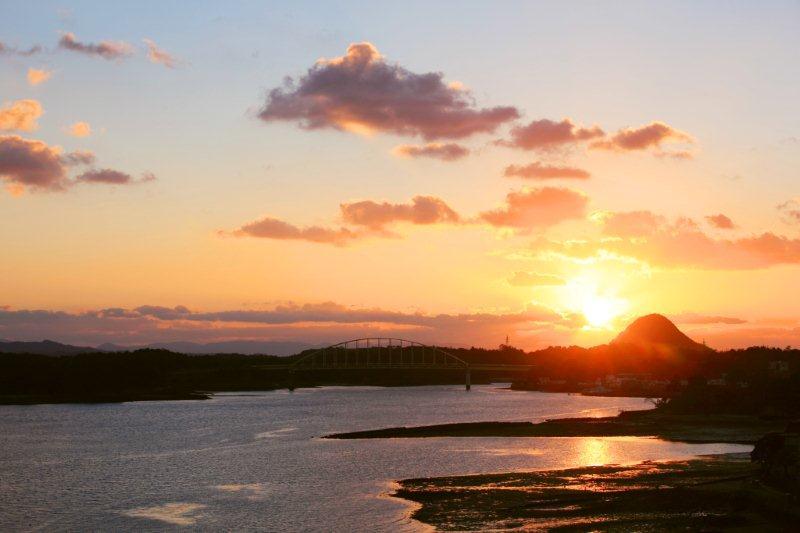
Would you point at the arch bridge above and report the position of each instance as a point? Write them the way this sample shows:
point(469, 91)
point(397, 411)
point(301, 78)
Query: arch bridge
point(388, 353)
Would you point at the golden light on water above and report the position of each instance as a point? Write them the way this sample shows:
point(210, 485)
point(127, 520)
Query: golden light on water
point(593, 452)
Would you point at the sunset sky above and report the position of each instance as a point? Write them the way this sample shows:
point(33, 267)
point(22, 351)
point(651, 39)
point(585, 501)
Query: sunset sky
point(443, 172)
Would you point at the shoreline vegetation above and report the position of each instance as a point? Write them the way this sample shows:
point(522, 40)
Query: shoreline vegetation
point(707, 493)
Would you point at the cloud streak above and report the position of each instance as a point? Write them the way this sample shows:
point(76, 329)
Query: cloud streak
point(362, 92)
point(423, 210)
point(14, 51)
point(108, 50)
point(444, 152)
point(312, 322)
point(273, 228)
point(539, 171)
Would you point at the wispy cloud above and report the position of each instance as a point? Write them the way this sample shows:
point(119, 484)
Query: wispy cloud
point(540, 171)
point(445, 152)
point(109, 50)
point(159, 55)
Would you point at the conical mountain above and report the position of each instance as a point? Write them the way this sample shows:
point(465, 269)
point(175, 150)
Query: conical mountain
point(655, 330)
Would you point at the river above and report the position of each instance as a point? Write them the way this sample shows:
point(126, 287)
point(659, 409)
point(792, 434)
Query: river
point(254, 461)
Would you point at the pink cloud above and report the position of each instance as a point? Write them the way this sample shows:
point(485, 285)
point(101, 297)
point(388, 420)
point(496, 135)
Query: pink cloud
point(423, 210)
point(650, 136)
point(445, 152)
point(108, 176)
point(273, 228)
point(31, 164)
point(547, 135)
point(28, 163)
point(361, 91)
point(537, 208)
point(539, 171)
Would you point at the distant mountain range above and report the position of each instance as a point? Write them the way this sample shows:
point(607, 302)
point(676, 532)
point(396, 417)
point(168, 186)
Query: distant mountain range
point(645, 334)
point(48, 347)
point(43, 348)
point(242, 347)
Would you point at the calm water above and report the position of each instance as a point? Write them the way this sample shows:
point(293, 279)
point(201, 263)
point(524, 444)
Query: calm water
point(254, 461)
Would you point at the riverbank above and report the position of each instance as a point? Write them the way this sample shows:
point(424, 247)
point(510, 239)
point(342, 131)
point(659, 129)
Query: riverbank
point(684, 428)
point(712, 492)
point(134, 396)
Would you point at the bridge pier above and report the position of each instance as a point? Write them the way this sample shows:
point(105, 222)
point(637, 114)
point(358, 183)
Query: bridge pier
point(467, 380)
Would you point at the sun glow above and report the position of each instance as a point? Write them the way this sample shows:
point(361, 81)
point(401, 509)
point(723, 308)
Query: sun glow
point(600, 311)
point(600, 307)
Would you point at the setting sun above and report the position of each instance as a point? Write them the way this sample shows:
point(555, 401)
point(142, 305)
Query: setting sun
point(600, 311)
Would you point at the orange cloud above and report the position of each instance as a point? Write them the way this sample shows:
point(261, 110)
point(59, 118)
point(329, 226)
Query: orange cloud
point(37, 76)
point(422, 210)
point(539, 171)
point(720, 221)
point(361, 91)
point(537, 208)
point(652, 135)
point(273, 228)
point(649, 238)
point(109, 50)
point(20, 115)
point(532, 279)
point(445, 152)
point(80, 129)
point(159, 55)
point(630, 223)
point(547, 135)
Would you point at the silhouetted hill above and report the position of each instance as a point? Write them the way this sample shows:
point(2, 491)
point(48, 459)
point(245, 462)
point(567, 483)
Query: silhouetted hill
point(44, 347)
point(655, 330)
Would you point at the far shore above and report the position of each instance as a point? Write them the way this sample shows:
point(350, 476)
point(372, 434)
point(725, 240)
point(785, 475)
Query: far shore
point(651, 423)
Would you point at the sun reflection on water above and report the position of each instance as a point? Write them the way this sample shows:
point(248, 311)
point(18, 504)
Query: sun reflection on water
point(594, 452)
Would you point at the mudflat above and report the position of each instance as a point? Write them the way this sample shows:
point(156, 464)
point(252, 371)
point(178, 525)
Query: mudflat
point(707, 493)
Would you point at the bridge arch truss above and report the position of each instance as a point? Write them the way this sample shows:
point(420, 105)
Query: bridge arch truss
point(378, 353)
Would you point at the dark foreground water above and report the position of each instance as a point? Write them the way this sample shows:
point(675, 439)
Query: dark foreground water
point(254, 461)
